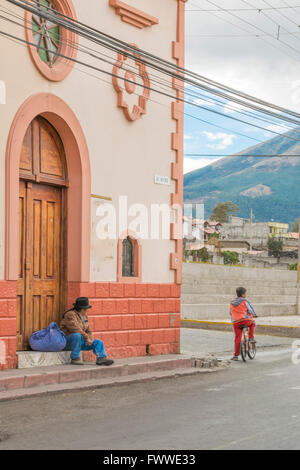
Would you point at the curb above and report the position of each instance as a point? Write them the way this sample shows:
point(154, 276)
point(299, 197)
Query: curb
point(200, 366)
point(268, 330)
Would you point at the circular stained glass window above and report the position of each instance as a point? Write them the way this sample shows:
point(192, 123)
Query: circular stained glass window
point(52, 47)
point(46, 34)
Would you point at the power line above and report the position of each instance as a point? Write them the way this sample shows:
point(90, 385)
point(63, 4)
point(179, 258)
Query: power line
point(258, 28)
point(238, 155)
point(193, 117)
point(244, 9)
point(142, 86)
point(237, 35)
point(152, 89)
point(290, 6)
point(258, 36)
point(197, 95)
point(18, 39)
point(279, 26)
point(282, 14)
point(154, 101)
point(252, 25)
point(120, 46)
point(165, 94)
point(202, 97)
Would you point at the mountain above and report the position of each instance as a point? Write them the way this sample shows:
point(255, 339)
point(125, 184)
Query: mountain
point(270, 186)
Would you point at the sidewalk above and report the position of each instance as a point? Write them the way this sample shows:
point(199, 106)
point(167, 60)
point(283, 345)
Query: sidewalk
point(288, 326)
point(36, 381)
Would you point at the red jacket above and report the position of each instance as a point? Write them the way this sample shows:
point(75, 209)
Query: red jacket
point(241, 310)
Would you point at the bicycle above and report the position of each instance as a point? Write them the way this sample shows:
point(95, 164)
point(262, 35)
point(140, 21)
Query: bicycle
point(247, 348)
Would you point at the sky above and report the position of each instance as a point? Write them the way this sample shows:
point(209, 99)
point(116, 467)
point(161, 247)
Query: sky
point(243, 53)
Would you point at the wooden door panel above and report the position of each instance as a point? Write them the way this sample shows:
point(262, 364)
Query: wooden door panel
point(40, 290)
point(37, 320)
point(37, 238)
point(51, 308)
point(26, 162)
point(51, 163)
point(51, 217)
point(41, 238)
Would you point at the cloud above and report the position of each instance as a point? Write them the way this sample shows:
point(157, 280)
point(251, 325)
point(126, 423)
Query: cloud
point(276, 128)
point(231, 107)
point(222, 140)
point(191, 164)
point(187, 137)
point(260, 66)
point(201, 102)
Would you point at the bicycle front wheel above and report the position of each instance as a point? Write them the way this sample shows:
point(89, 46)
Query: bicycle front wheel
point(251, 350)
point(243, 350)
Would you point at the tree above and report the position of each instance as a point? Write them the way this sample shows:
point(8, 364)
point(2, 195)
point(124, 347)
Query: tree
point(293, 267)
point(295, 227)
point(275, 246)
point(203, 254)
point(230, 257)
point(223, 210)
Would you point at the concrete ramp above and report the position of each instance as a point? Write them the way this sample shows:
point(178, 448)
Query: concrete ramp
point(208, 289)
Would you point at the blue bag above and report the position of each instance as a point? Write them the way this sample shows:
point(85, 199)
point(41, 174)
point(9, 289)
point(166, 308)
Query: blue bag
point(51, 339)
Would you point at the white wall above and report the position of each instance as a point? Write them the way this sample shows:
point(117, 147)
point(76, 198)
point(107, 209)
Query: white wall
point(124, 156)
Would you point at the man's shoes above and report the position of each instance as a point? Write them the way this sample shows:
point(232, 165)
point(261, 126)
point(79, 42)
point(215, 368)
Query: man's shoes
point(103, 361)
point(77, 362)
point(235, 358)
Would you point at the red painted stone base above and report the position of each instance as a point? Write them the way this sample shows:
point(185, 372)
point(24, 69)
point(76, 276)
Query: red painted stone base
point(131, 319)
point(8, 324)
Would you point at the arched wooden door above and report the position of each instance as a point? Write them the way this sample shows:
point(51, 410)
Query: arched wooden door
point(42, 273)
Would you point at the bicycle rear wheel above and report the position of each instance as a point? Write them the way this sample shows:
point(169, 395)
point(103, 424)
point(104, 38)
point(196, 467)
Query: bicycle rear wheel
point(243, 351)
point(251, 350)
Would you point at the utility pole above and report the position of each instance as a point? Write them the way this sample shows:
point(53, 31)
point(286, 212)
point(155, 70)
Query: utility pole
point(251, 234)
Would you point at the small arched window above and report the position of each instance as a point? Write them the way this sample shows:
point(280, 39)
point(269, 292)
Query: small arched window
point(129, 267)
point(127, 258)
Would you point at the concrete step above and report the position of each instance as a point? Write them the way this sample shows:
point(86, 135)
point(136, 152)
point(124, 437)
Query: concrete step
point(234, 272)
point(66, 374)
point(215, 311)
point(227, 298)
point(191, 280)
point(212, 289)
point(29, 359)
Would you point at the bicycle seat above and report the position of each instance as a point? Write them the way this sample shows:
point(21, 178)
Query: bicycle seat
point(244, 327)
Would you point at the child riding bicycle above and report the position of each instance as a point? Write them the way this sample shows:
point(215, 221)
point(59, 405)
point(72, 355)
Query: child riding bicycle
point(242, 314)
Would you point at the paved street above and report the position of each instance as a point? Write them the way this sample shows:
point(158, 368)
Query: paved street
point(202, 342)
point(249, 406)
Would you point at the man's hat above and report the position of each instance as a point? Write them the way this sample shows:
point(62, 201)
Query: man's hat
point(82, 303)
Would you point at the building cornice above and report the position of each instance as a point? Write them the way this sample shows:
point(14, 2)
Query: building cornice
point(133, 16)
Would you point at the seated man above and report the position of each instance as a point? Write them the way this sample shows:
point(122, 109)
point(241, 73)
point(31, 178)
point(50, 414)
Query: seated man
point(75, 325)
point(242, 314)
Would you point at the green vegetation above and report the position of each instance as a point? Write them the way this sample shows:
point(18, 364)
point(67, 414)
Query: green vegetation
point(223, 210)
point(203, 255)
point(293, 267)
point(295, 226)
point(275, 246)
point(230, 257)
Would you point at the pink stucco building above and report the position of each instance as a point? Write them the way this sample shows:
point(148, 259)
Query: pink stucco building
point(73, 141)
